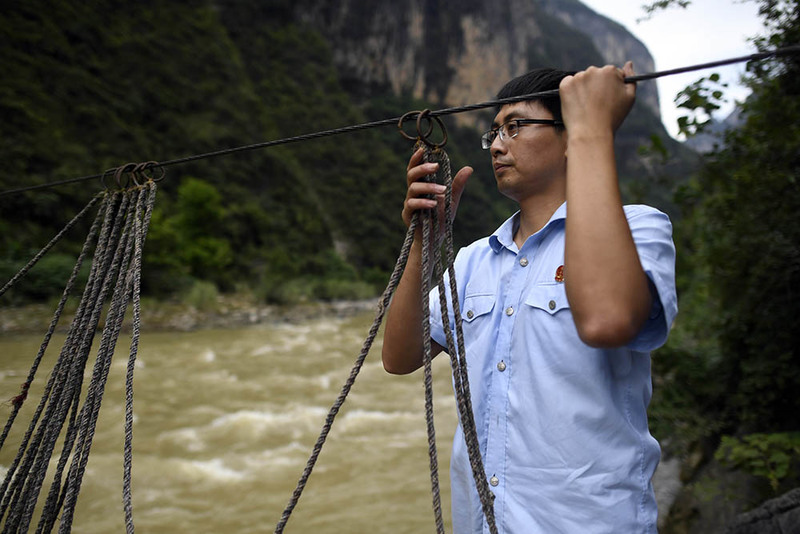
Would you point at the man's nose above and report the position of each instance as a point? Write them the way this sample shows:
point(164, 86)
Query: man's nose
point(498, 146)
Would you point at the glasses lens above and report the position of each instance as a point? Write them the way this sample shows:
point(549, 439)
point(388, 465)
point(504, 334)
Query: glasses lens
point(488, 138)
point(512, 129)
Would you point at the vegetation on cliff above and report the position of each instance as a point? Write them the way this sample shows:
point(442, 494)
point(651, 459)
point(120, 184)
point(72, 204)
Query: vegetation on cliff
point(730, 373)
point(94, 85)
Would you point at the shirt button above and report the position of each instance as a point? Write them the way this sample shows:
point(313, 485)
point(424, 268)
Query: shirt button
point(494, 481)
point(501, 366)
point(510, 311)
point(552, 305)
point(470, 314)
point(523, 262)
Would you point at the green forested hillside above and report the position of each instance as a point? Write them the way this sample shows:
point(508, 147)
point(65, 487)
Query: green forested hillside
point(725, 386)
point(89, 86)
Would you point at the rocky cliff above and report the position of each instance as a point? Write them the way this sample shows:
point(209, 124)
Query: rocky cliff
point(456, 53)
point(615, 43)
point(100, 83)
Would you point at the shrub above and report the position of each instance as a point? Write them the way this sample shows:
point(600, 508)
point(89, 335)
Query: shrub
point(46, 279)
point(775, 457)
point(202, 295)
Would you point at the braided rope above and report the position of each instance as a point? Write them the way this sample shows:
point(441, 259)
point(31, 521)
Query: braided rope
point(82, 332)
point(115, 271)
point(458, 361)
point(36, 449)
point(18, 401)
point(17, 277)
point(83, 429)
point(430, 226)
point(383, 305)
point(91, 407)
point(142, 221)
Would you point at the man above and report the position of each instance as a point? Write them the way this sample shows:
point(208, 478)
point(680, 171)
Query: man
point(560, 313)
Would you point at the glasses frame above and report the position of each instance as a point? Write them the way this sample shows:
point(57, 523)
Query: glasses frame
point(488, 137)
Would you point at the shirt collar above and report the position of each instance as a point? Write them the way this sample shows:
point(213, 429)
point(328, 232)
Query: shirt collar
point(503, 237)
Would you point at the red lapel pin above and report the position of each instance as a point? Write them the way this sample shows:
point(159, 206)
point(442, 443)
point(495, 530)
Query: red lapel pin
point(560, 273)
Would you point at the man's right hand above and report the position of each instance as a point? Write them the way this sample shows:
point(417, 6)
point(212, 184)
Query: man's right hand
point(402, 339)
point(418, 189)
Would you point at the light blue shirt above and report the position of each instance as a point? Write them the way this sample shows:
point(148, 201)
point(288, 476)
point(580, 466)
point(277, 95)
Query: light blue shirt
point(562, 426)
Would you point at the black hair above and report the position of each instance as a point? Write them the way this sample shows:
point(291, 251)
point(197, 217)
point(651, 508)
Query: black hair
point(535, 81)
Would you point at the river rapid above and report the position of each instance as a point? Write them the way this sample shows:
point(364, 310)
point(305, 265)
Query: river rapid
point(225, 421)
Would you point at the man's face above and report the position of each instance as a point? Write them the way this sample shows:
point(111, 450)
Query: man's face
point(533, 161)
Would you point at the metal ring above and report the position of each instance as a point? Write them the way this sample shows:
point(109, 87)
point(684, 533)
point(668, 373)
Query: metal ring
point(424, 114)
point(140, 176)
point(403, 119)
point(149, 166)
point(423, 137)
point(135, 174)
point(426, 138)
point(122, 169)
point(106, 173)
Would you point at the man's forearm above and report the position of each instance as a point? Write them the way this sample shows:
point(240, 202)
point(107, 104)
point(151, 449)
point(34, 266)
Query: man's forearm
point(606, 286)
point(402, 338)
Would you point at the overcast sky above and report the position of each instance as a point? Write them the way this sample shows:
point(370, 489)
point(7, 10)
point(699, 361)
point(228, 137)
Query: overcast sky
point(707, 30)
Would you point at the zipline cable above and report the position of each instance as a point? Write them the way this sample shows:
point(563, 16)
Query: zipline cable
point(760, 56)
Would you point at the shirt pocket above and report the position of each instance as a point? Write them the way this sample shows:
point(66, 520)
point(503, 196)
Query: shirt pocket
point(549, 297)
point(476, 305)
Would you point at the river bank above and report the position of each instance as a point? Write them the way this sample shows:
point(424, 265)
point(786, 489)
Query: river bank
point(229, 311)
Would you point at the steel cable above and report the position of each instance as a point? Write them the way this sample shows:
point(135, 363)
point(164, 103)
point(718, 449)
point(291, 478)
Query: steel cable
point(759, 56)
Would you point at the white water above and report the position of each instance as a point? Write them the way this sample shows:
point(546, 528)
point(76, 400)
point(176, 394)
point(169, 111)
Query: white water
point(225, 421)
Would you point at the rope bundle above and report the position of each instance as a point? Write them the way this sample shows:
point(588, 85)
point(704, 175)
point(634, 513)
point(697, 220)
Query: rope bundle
point(457, 352)
point(430, 225)
point(117, 234)
point(119, 230)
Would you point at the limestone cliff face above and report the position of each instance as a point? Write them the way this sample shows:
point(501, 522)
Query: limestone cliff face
point(459, 52)
point(616, 44)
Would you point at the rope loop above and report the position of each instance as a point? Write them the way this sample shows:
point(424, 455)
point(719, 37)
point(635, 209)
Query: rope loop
point(426, 136)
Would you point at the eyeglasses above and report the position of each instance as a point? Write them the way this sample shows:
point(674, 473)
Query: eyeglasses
point(510, 129)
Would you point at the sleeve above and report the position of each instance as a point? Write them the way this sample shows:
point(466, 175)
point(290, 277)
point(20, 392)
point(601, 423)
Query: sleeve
point(652, 235)
point(437, 327)
point(434, 301)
